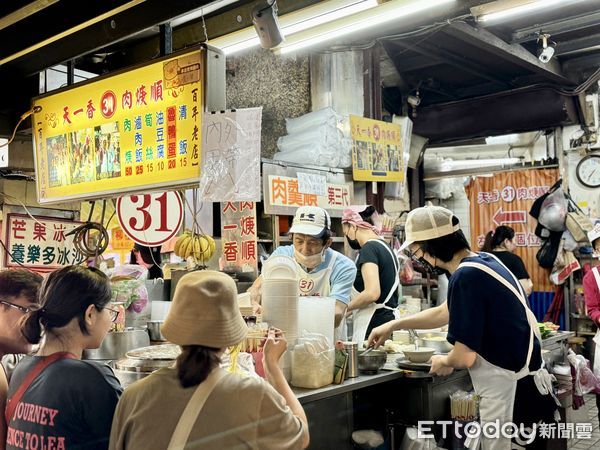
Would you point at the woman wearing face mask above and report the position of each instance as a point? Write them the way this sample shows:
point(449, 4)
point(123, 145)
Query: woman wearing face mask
point(322, 271)
point(375, 292)
point(500, 243)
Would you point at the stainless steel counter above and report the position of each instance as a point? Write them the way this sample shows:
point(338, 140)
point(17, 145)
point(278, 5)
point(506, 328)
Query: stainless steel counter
point(351, 384)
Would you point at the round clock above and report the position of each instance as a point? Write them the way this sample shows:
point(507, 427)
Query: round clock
point(588, 170)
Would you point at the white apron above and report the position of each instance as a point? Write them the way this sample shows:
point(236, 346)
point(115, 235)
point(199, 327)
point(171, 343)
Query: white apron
point(362, 317)
point(497, 386)
point(318, 284)
point(596, 272)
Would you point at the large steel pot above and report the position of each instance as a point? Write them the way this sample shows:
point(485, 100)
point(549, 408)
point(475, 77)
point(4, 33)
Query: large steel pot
point(141, 362)
point(435, 340)
point(117, 343)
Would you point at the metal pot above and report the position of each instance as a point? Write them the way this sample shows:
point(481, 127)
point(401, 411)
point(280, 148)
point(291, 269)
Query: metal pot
point(141, 362)
point(154, 330)
point(117, 343)
point(435, 340)
point(372, 361)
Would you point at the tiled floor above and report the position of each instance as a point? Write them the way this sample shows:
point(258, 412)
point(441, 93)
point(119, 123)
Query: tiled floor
point(594, 442)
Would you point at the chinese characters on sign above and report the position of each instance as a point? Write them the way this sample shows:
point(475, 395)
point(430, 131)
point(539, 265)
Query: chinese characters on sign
point(121, 133)
point(377, 150)
point(40, 244)
point(119, 240)
point(238, 232)
point(283, 191)
point(505, 199)
point(231, 156)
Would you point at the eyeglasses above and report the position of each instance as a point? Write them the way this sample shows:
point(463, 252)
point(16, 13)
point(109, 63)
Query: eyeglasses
point(114, 313)
point(23, 309)
point(413, 255)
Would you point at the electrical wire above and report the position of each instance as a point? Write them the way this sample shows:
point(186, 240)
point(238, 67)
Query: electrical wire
point(35, 109)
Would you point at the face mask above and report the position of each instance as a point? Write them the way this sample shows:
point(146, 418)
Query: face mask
point(310, 262)
point(353, 243)
point(429, 268)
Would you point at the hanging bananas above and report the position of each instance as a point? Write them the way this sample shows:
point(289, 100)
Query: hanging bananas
point(199, 246)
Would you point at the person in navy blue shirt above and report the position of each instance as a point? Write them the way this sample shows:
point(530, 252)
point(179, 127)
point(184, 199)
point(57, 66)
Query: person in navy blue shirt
point(494, 332)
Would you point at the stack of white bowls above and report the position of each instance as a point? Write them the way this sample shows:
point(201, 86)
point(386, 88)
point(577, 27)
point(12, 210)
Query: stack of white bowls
point(413, 304)
point(280, 302)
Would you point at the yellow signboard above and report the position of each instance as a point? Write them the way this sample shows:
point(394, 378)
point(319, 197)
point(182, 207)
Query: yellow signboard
point(132, 131)
point(377, 151)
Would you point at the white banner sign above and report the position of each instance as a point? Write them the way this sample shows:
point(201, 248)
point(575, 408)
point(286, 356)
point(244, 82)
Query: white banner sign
point(284, 191)
point(231, 156)
point(40, 244)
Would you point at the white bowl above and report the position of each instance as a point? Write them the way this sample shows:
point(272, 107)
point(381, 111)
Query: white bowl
point(421, 355)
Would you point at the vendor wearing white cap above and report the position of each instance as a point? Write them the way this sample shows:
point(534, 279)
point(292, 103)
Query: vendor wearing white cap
point(495, 334)
point(321, 271)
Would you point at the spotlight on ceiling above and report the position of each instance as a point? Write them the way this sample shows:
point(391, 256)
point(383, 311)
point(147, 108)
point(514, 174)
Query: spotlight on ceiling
point(266, 24)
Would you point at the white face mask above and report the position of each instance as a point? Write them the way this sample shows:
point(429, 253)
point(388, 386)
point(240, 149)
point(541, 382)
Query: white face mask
point(312, 261)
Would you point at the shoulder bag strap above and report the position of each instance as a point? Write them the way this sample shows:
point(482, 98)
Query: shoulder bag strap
point(192, 410)
point(596, 271)
point(32, 375)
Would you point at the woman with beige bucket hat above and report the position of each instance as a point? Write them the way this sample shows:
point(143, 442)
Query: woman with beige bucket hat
point(196, 404)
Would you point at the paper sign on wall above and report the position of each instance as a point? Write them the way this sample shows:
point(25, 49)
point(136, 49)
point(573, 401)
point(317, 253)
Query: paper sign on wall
point(231, 156)
point(309, 183)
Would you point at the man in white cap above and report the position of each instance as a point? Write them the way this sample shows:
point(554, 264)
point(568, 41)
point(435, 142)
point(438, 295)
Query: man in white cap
point(495, 334)
point(321, 270)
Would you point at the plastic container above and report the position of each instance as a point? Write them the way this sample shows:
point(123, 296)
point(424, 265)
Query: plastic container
point(312, 370)
point(317, 315)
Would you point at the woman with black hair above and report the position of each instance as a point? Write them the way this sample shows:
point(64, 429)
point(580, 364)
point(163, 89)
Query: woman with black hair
point(149, 257)
point(375, 293)
point(500, 243)
point(55, 400)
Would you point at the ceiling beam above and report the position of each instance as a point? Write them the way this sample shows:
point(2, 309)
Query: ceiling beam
point(513, 53)
point(24, 12)
point(583, 44)
point(452, 59)
point(417, 62)
point(582, 62)
point(99, 34)
point(556, 27)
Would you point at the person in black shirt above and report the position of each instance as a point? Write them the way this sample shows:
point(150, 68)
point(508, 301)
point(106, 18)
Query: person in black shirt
point(495, 334)
point(500, 243)
point(149, 257)
point(374, 297)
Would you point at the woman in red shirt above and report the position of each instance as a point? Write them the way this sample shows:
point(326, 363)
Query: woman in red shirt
point(591, 292)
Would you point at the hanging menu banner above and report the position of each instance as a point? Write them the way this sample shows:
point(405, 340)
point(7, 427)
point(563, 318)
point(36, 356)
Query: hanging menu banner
point(377, 150)
point(40, 243)
point(238, 232)
point(129, 132)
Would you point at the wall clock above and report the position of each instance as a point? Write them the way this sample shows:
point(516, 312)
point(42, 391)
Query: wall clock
point(588, 170)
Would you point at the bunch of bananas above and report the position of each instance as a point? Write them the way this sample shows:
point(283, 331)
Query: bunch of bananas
point(199, 246)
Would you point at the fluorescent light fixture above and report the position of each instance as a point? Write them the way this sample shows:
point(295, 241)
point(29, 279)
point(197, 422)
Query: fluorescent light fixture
point(503, 9)
point(297, 21)
point(384, 13)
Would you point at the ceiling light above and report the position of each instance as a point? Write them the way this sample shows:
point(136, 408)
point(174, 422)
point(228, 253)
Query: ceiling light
point(384, 13)
point(312, 16)
point(503, 9)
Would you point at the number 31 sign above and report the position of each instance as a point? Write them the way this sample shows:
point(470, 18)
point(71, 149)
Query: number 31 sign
point(150, 219)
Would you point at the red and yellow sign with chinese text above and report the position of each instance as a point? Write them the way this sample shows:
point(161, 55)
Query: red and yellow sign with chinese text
point(40, 244)
point(238, 233)
point(283, 191)
point(377, 151)
point(505, 199)
point(122, 133)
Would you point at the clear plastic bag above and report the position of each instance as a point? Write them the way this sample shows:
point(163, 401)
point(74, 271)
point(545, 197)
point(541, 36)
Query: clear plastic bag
point(128, 286)
point(585, 380)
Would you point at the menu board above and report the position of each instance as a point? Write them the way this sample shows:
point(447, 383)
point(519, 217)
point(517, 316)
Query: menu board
point(126, 132)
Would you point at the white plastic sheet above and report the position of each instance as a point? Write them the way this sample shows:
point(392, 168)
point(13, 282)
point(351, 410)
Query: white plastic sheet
point(230, 170)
